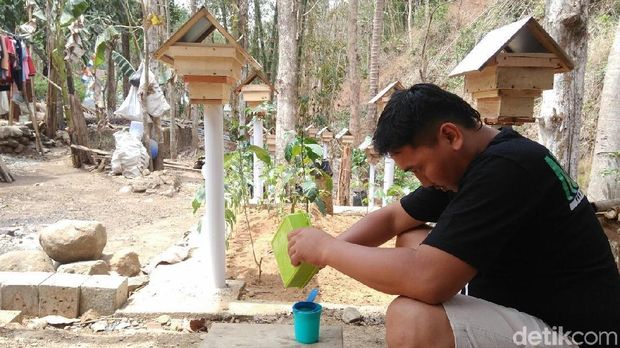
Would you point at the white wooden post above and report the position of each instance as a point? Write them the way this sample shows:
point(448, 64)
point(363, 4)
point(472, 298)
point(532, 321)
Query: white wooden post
point(213, 225)
point(325, 149)
point(388, 178)
point(258, 164)
point(371, 186)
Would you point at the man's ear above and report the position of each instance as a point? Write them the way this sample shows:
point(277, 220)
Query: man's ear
point(451, 134)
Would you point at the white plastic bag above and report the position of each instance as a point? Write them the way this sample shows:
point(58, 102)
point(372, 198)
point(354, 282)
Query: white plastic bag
point(130, 108)
point(129, 157)
point(156, 103)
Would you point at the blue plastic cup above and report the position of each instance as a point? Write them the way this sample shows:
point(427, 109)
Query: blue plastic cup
point(307, 319)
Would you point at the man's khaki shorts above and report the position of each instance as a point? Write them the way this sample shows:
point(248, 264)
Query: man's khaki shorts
point(478, 323)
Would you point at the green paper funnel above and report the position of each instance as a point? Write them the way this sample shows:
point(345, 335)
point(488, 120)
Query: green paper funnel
point(291, 276)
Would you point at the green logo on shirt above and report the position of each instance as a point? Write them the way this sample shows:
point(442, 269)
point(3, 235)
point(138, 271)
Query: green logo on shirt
point(570, 187)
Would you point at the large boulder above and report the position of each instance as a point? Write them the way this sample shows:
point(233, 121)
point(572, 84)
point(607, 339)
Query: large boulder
point(26, 261)
point(126, 263)
point(85, 267)
point(73, 240)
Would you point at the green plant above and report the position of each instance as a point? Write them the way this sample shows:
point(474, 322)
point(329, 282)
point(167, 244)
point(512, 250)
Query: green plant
point(299, 180)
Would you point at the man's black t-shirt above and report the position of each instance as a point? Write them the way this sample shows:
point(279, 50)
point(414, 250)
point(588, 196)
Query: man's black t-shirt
point(530, 233)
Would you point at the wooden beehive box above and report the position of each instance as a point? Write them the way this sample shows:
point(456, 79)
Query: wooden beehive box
point(345, 137)
point(372, 154)
point(384, 96)
point(509, 69)
point(325, 134)
point(209, 69)
point(258, 93)
point(311, 131)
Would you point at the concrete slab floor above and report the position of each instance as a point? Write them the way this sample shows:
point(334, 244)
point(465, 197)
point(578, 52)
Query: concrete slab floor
point(222, 335)
point(181, 288)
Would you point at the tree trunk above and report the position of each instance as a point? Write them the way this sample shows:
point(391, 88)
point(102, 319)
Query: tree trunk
point(606, 157)
point(260, 36)
point(110, 83)
point(375, 48)
point(79, 134)
point(354, 83)
point(273, 65)
point(242, 34)
point(51, 119)
point(286, 82)
point(126, 52)
point(560, 114)
point(193, 109)
point(409, 18)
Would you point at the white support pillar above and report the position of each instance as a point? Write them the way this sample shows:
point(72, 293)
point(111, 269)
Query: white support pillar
point(388, 178)
point(325, 151)
point(371, 186)
point(213, 225)
point(258, 164)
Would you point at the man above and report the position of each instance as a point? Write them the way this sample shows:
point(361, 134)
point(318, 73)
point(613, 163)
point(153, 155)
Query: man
point(512, 227)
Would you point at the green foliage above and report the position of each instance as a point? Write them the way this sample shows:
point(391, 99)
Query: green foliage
point(124, 66)
point(301, 179)
point(104, 40)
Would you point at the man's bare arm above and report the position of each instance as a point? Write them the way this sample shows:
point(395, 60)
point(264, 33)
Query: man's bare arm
point(380, 226)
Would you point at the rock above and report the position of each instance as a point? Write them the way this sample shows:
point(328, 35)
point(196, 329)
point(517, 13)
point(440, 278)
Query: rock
point(26, 261)
point(126, 263)
point(58, 320)
point(134, 283)
point(351, 315)
point(176, 325)
point(125, 189)
point(121, 326)
point(101, 325)
point(168, 193)
point(73, 240)
point(37, 324)
point(146, 172)
point(138, 187)
point(10, 132)
point(151, 191)
point(24, 140)
point(19, 148)
point(163, 319)
point(153, 325)
point(85, 267)
point(89, 315)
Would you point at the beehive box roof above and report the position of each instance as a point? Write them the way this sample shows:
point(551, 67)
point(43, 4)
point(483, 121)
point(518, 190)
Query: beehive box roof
point(523, 36)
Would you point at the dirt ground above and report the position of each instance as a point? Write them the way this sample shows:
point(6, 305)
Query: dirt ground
point(50, 189)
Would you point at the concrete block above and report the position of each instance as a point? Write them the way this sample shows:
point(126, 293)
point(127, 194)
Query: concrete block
point(20, 291)
point(10, 317)
point(103, 293)
point(60, 295)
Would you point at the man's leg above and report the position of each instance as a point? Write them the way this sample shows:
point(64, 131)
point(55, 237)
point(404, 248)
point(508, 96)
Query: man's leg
point(412, 238)
point(411, 323)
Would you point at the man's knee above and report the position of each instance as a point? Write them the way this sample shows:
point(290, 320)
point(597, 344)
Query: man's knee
point(413, 237)
point(411, 323)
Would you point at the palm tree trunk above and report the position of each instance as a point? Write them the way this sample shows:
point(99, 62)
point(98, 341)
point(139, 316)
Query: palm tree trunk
point(605, 172)
point(354, 83)
point(375, 47)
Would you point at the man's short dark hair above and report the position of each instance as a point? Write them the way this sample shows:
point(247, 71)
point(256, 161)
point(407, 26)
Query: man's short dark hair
point(412, 117)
